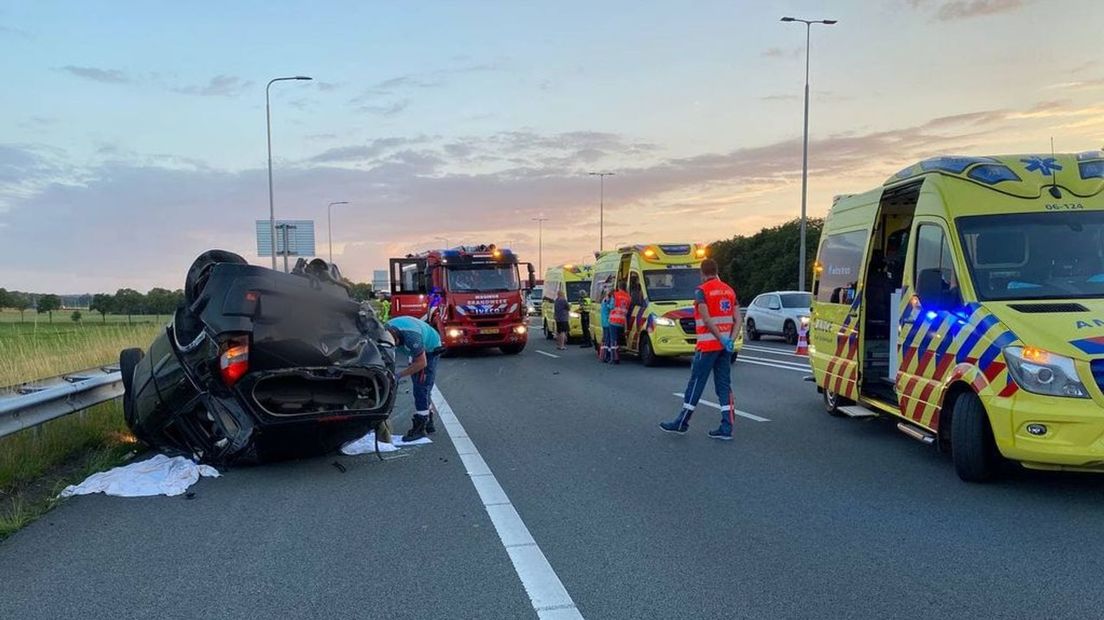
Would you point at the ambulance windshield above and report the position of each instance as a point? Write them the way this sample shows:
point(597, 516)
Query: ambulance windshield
point(1035, 255)
point(490, 279)
point(577, 290)
point(671, 284)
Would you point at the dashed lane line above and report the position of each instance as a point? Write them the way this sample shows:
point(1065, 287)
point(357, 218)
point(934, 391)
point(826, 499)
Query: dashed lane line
point(547, 353)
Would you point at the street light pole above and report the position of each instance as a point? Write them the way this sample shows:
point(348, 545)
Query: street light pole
point(268, 124)
point(445, 239)
point(329, 224)
point(805, 144)
point(540, 243)
point(601, 205)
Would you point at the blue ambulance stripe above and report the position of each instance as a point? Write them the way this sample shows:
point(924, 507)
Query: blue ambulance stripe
point(912, 333)
point(952, 332)
point(936, 323)
point(994, 349)
point(975, 336)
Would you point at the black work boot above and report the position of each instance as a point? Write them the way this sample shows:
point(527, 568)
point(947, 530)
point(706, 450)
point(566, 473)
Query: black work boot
point(417, 429)
point(430, 428)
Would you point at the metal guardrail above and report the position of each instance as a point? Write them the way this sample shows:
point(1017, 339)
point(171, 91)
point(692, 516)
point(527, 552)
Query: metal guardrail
point(29, 404)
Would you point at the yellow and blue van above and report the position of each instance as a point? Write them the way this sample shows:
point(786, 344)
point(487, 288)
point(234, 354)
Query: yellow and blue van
point(965, 298)
point(661, 279)
point(574, 281)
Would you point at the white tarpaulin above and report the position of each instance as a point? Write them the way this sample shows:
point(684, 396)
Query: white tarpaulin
point(367, 444)
point(159, 475)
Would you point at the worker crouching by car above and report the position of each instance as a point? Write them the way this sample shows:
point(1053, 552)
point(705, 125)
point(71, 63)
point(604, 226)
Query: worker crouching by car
point(421, 342)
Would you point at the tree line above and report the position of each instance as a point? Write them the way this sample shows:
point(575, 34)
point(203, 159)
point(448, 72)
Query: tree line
point(767, 260)
point(124, 301)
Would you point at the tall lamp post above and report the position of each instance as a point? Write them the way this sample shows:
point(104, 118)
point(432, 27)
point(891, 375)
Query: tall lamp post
point(805, 143)
point(268, 123)
point(601, 205)
point(540, 242)
point(445, 239)
point(329, 224)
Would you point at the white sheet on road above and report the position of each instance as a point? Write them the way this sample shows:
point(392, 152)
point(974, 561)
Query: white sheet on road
point(367, 444)
point(159, 475)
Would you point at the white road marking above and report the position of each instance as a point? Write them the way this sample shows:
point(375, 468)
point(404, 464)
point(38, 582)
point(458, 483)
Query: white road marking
point(547, 353)
point(762, 349)
point(742, 414)
point(762, 361)
point(546, 592)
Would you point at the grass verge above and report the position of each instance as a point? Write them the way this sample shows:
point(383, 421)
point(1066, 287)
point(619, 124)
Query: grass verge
point(36, 464)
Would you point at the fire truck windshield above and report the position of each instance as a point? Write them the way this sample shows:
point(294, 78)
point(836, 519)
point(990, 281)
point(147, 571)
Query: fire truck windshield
point(488, 279)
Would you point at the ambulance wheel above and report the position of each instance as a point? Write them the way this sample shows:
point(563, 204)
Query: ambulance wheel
point(832, 403)
point(647, 354)
point(789, 332)
point(752, 333)
point(547, 333)
point(972, 447)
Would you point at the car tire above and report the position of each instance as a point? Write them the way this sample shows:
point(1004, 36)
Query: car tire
point(196, 277)
point(789, 332)
point(752, 333)
point(128, 361)
point(512, 349)
point(972, 446)
point(833, 402)
point(647, 353)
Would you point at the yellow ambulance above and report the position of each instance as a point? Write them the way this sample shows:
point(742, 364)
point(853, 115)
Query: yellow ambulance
point(965, 297)
point(661, 279)
point(574, 281)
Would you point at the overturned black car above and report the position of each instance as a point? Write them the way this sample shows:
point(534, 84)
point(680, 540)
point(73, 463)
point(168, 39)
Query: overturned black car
point(258, 365)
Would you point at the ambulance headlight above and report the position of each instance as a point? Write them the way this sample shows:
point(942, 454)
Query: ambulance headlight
point(662, 321)
point(1043, 372)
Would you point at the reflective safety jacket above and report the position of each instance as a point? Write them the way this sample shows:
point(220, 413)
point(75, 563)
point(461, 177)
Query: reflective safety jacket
point(720, 299)
point(620, 312)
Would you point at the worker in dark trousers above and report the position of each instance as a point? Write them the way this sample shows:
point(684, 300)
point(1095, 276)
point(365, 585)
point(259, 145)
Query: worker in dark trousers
point(422, 344)
point(584, 319)
point(715, 318)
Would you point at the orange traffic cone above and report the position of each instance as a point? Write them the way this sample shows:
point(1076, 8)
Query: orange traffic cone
point(802, 342)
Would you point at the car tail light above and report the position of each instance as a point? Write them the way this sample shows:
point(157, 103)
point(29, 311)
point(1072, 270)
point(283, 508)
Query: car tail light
point(234, 360)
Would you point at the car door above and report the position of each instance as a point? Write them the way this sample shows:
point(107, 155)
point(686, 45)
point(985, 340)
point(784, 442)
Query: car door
point(773, 314)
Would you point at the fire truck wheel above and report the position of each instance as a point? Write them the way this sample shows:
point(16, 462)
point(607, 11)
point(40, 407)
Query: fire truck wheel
point(512, 349)
point(972, 447)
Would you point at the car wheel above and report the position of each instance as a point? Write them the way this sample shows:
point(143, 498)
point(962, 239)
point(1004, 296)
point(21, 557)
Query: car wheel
point(832, 403)
point(647, 354)
point(972, 447)
point(752, 333)
point(789, 332)
point(512, 349)
point(128, 361)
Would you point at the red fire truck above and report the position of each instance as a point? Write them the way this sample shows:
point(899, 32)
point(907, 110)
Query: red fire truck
point(471, 294)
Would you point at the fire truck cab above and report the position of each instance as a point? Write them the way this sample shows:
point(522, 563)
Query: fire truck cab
point(471, 294)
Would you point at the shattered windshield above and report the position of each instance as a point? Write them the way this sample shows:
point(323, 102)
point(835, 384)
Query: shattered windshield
point(1035, 255)
point(488, 279)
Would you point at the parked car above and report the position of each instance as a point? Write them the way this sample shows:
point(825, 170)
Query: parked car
point(779, 313)
point(258, 365)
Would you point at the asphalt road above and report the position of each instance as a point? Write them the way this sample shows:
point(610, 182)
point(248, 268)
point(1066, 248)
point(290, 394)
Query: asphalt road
point(802, 515)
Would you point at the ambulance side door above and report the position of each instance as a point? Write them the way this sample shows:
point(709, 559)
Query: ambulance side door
point(837, 320)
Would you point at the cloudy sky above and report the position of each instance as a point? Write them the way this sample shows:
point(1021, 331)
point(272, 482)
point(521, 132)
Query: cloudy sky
point(134, 132)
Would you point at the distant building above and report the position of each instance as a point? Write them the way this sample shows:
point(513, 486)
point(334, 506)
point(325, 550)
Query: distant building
point(380, 281)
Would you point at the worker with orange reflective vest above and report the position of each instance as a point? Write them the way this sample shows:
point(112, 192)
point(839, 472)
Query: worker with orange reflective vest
point(618, 318)
point(715, 318)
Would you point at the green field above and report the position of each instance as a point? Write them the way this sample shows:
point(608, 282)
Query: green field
point(62, 317)
point(35, 464)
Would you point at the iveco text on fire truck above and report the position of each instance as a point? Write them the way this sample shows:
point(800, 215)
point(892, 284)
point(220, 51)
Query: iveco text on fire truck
point(471, 294)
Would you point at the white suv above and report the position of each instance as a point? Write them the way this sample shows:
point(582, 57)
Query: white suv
point(779, 313)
